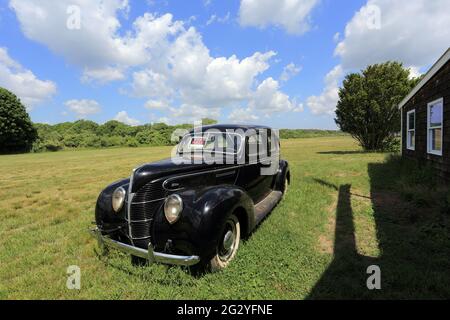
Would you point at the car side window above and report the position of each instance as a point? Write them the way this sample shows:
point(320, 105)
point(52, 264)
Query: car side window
point(275, 147)
point(258, 147)
point(252, 147)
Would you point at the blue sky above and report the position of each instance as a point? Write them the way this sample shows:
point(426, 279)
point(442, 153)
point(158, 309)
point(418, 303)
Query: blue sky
point(274, 62)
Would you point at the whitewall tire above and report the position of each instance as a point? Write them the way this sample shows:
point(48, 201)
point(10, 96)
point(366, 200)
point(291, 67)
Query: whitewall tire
point(228, 244)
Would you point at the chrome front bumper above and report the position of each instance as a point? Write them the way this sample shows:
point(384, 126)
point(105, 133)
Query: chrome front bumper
point(150, 255)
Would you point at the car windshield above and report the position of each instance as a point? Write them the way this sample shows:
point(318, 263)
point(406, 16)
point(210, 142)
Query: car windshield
point(216, 142)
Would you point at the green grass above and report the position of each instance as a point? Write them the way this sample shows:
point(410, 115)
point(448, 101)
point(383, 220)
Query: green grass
point(342, 213)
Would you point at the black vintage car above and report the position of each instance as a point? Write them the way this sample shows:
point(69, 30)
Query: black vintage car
point(187, 209)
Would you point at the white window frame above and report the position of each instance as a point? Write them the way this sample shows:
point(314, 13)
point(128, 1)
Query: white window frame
point(408, 143)
point(429, 144)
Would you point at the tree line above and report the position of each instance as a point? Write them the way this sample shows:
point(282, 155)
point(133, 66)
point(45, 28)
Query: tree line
point(88, 134)
point(19, 134)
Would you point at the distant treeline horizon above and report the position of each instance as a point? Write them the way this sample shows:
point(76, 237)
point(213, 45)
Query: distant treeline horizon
point(89, 134)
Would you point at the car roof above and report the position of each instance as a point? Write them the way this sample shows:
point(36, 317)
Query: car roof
point(224, 127)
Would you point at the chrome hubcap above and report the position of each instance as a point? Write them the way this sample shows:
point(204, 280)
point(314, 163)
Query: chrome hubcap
point(229, 241)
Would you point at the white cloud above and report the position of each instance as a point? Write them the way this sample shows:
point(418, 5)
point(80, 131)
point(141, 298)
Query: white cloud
point(23, 82)
point(290, 71)
point(83, 108)
point(97, 46)
point(168, 59)
point(103, 75)
point(336, 37)
point(123, 117)
point(292, 15)
point(211, 19)
point(156, 105)
point(188, 72)
point(415, 32)
point(196, 78)
point(214, 18)
point(148, 83)
point(327, 101)
point(165, 120)
point(224, 80)
point(268, 99)
point(239, 115)
point(189, 113)
point(414, 72)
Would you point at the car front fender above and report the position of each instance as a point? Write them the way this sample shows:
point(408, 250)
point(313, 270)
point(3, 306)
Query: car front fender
point(104, 214)
point(204, 214)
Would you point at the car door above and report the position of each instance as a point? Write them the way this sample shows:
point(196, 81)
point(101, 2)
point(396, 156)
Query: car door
point(227, 145)
point(266, 152)
point(250, 177)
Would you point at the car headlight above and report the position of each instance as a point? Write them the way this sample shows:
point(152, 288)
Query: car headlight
point(118, 199)
point(173, 207)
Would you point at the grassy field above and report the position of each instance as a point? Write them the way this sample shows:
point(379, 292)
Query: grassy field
point(343, 212)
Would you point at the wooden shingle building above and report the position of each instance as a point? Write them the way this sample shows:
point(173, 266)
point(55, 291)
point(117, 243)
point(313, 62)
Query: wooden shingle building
point(425, 114)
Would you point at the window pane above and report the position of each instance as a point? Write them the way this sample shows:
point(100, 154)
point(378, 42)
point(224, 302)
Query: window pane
point(214, 142)
point(411, 122)
point(436, 142)
point(411, 140)
point(436, 115)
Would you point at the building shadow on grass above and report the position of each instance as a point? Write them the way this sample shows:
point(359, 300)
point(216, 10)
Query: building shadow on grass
point(414, 246)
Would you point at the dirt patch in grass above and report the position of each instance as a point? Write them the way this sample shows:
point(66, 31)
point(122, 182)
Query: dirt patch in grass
point(347, 174)
point(326, 240)
point(325, 244)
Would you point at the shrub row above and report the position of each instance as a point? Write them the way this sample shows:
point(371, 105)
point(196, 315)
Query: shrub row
point(88, 134)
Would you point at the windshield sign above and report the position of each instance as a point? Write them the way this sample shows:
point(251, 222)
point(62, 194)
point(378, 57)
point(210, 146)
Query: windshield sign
point(226, 143)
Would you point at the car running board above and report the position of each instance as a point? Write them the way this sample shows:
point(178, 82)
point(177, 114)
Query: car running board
point(265, 206)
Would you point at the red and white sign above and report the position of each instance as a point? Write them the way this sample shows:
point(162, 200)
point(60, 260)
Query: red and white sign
point(198, 142)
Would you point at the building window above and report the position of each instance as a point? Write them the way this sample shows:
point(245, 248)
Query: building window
point(411, 130)
point(434, 132)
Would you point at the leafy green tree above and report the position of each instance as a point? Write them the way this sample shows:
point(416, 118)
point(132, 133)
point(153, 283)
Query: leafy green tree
point(113, 128)
point(368, 104)
point(153, 137)
point(49, 139)
point(89, 140)
point(72, 140)
point(84, 126)
point(159, 126)
point(131, 142)
point(207, 121)
point(63, 127)
point(17, 132)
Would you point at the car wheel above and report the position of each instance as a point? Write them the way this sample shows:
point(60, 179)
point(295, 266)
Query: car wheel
point(228, 244)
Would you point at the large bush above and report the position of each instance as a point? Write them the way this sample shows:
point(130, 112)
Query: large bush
point(17, 133)
point(48, 139)
point(368, 104)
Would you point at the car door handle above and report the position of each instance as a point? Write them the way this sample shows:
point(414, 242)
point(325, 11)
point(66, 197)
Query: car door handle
point(265, 163)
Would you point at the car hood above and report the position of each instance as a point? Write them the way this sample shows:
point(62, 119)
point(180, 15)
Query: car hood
point(167, 167)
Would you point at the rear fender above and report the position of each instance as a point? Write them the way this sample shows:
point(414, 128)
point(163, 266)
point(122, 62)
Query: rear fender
point(282, 175)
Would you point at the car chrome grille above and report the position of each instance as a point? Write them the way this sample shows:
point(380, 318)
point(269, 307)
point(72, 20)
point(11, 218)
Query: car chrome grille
point(144, 204)
point(150, 192)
